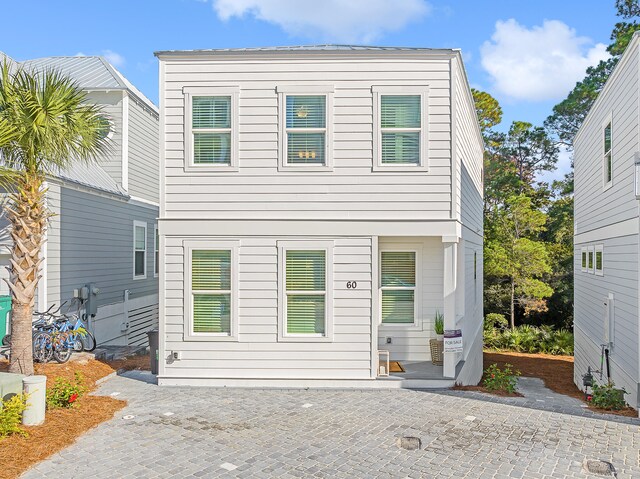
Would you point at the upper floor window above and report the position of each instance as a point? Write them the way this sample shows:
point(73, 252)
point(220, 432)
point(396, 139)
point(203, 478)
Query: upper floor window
point(139, 250)
point(607, 159)
point(211, 128)
point(400, 128)
point(305, 123)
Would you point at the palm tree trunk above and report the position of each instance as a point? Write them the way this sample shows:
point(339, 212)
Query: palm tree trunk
point(28, 216)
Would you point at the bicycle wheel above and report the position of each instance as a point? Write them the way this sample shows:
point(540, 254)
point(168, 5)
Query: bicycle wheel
point(62, 348)
point(42, 347)
point(88, 342)
point(78, 343)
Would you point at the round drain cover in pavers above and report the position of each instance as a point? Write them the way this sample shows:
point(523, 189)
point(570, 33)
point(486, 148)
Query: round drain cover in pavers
point(410, 443)
point(601, 468)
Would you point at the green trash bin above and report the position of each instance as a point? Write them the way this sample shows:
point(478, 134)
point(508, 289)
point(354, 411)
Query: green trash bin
point(5, 309)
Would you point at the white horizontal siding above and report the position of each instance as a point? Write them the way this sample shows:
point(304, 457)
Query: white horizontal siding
point(260, 189)
point(595, 208)
point(111, 104)
point(620, 278)
point(144, 167)
point(258, 354)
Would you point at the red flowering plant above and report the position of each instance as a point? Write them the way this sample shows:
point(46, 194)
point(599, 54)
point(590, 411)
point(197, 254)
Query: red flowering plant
point(65, 393)
point(505, 379)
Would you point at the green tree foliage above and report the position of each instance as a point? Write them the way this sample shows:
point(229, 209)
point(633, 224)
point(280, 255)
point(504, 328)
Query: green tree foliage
point(488, 110)
point(515, 258)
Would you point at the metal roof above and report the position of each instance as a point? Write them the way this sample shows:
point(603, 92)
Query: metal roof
point(310, 48)
point(90, 175)
point(90, 73)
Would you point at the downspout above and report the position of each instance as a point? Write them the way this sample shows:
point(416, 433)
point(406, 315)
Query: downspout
point(125, 140)
point(42, 283)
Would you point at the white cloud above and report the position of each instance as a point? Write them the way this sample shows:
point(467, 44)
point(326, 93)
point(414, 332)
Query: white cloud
point(330, 20)
point(112, 57)
point(541, 63)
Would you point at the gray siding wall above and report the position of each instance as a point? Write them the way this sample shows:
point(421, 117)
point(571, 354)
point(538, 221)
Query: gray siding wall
point(91, 240)
point(469, 153)
point(258, 354)
point(111, 104)
point(144, 164)
point(609, 217)
point(352, 189)
point(595, 208)
point(590, 291)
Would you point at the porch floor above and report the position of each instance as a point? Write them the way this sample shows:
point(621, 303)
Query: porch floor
point(419, 375)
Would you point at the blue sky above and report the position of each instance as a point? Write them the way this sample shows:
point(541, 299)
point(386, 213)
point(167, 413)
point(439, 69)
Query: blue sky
point(527, 53)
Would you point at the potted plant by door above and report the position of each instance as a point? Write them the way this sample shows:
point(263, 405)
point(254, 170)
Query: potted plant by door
point(437, 345)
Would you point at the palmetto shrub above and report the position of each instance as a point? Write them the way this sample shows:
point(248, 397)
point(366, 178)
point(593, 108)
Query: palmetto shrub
point(529, 339)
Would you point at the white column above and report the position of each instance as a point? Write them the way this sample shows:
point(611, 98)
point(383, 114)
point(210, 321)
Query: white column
point(450, 245)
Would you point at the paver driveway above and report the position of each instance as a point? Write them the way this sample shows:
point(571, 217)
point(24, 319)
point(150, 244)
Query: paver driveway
point(335, 434)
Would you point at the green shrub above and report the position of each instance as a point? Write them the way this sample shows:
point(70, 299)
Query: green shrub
point(530, 339)
point(65, 393)
point(493, 321)
point(607, 397)
point(496, 379)
point(11, 416)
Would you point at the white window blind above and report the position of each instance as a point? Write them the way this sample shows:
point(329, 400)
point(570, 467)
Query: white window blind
point(211, 291)
point(306, 273)
point(401, 125)
point(211, 129)
point(398, 285)
point(306, 127)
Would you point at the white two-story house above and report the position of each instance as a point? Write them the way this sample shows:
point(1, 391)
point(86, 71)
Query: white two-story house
point(318, 205)
point(607, 232)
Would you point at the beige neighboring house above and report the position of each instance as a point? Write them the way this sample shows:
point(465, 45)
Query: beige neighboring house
point(318, 205)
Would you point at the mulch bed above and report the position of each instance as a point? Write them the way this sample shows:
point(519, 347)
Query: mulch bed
point(555, 371)
point(62, 426)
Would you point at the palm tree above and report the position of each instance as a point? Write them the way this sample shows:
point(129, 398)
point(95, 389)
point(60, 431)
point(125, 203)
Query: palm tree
point(48, 124)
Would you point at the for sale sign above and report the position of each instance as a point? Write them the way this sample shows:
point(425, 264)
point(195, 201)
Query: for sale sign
point(453, 341)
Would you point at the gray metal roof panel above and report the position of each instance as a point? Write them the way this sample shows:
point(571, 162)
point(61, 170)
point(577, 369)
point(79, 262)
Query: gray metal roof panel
point(90, 175)
point(309, 48)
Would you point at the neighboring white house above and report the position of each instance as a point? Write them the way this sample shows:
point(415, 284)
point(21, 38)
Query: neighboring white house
point(607, 153)
point(318, 204)
point(104, 228)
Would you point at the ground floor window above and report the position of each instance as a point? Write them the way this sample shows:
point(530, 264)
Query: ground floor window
point(306, 290)
point(398, 286)
point(211, 290)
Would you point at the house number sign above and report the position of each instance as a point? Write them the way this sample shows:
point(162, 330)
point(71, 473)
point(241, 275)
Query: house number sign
point(352, 284)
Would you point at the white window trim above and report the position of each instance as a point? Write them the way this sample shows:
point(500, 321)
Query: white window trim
point(301, 245)
point(584, 251)
point(599, 248)
point(285, 90)
point(156, 248)
point(423, 91)
point(606, 184)
point(417, 296)
point(141, 224)
point(232, 91)
point(212, 244)
point(591, 251)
